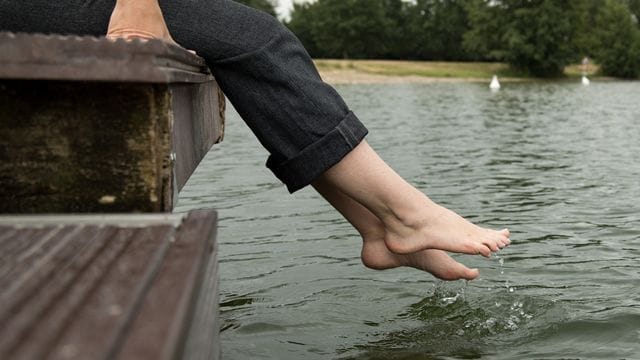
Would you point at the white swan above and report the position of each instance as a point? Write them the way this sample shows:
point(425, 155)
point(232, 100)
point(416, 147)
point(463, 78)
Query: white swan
point(495, 84)
point(585, 80)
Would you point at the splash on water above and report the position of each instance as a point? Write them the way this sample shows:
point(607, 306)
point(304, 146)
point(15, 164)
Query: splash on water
point(456, 321)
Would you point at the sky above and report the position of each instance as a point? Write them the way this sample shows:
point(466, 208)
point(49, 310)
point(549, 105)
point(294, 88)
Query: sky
point(284, 7)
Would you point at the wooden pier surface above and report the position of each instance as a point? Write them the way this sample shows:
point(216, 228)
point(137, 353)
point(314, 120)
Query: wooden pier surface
point(108, 287)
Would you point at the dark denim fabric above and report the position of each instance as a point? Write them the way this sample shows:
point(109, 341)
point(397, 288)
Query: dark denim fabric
point(260, 65)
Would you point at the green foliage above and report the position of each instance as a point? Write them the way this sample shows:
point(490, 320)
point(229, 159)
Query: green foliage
point(619, 41)
point(426, 29)
point(537, 37)
point(634, 8)
point(484, 38)
point(395, 35)
point(437, 28)
point(302, 24)
point(585, 40)
point(264, 5)
point(350, 28)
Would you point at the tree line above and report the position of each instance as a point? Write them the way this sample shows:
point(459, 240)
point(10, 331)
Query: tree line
point(538, 37)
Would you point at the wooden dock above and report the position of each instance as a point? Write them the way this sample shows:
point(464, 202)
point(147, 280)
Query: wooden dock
point(89, 125)
point(93, 125)
point(108, 287)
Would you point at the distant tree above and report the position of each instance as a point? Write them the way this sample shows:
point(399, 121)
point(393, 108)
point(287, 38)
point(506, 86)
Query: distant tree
point(619, 40)
point(264, 5)
point(397, 29)
point(584, 24)
point(301, 23)
point(634, 7)
point(436, 29)
point(540, 37)
point(396, 37)
point(350, 28)
point(487, 24)
point(532, 35)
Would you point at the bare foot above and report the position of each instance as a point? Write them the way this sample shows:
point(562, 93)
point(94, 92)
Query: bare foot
point(140, 19)
point(435, 227)
point(412, 221)
point(383, 244)
point(438, 263)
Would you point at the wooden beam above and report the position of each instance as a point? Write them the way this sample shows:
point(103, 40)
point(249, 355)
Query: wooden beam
point(93, 125)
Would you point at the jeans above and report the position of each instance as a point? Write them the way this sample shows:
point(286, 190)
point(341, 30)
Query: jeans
point(260, 65)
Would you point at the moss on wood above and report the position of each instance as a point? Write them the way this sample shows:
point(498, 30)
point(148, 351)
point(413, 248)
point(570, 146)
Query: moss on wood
point(84, 147)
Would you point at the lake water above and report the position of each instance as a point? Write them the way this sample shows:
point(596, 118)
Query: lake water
point(557, 163)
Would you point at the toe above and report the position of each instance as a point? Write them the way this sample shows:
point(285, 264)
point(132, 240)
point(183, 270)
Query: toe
point(484, 251)
point(471, 274)
point(458, 272)
point(493, 245)
point(504, 242)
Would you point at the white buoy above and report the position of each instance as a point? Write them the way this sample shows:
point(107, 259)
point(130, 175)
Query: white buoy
point(585, 80)
point(495, 84)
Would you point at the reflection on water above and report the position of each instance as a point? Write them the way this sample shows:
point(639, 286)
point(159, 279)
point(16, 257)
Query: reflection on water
point(556, 162)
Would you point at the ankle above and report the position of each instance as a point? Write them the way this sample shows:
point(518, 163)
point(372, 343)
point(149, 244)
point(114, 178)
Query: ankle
point(409, 213)
point(139, 6)
point(138, 19)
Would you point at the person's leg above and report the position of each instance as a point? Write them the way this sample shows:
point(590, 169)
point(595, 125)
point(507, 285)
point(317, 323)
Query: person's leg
point(260, 65)
point(65, 17)
point(304, 124)
point(412, 221)
point(375, 254)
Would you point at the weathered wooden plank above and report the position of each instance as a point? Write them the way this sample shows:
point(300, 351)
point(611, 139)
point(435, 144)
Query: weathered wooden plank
point(116, 300)
point(109, 287)
point(92, 125)
point(193, 139)
point(86, 58)
point(29, 246)
point(73, 283)
point(29, 298)
point(173, 294)
point(205, 322)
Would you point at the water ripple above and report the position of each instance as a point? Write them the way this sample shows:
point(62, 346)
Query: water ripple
point(555, 161)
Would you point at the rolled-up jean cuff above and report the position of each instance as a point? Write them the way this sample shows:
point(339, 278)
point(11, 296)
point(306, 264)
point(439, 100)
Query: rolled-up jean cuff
point(300, 170)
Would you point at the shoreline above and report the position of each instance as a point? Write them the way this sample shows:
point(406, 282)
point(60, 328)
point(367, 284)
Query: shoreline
point(336, 72)
point(341, 77)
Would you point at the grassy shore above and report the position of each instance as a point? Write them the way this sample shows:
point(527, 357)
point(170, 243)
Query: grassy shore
point(363, 71)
